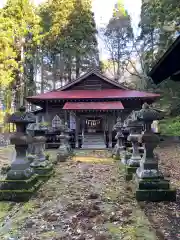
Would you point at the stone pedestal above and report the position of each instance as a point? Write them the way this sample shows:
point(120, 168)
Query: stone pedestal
point(21, 180)
point(150, 182)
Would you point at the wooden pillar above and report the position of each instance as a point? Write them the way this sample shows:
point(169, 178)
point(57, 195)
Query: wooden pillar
point(77, 130)
point(47, 112)
point(65, 116)
point(83, 125)
point(110, 130)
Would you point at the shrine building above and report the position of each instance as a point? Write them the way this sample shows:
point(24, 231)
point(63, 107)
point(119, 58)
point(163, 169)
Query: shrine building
point(90, 104)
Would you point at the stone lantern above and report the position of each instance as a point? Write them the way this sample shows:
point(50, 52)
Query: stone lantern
point(40, 164)
point(125, 132)
point(135, 129)
point(21, 179)
point(64, 148)
point(119, 137)
point(67, 132)
point(20, 168)
point(151, 185)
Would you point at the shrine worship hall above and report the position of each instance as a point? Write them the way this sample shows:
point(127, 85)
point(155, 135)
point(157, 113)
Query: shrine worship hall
point(90, 106)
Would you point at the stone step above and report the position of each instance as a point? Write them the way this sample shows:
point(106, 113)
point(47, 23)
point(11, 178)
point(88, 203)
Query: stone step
point(93, 141)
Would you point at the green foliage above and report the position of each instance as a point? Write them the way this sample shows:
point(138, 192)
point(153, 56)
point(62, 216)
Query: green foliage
point(117, 36)
point(7, 53)
point(29, 34)
point(170, 126)
point(19, 39)
point(70, 31)
point(45, 124)
point(158, 24)
point(80, 35)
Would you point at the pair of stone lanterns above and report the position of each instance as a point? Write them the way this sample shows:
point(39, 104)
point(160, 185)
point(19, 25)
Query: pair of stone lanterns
point(149, 180)
point(25, 175)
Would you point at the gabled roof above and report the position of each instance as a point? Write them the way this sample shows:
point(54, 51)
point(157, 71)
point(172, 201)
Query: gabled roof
point(93, 94)
point(98, 74)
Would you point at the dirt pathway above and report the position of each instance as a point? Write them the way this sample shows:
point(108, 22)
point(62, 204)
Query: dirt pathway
point(86, 199)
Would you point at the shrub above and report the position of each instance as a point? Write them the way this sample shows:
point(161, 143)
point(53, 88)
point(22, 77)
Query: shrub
point(170, 126)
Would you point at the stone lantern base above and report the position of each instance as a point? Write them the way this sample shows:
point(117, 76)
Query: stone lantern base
point(117, 152)
point(154, 190)
point(43, 171)
point(125, 155)
point(130, 171)
point(18, 190)
point(131, 167)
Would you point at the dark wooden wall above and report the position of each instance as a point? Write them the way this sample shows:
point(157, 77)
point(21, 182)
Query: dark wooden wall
point(92, 82)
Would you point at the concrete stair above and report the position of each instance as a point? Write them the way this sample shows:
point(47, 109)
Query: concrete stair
point(93, 141)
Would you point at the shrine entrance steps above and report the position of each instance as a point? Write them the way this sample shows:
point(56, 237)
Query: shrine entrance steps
point(93, 141)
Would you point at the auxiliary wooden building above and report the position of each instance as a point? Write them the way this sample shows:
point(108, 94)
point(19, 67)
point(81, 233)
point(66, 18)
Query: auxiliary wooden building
point(90, 105)
point(168, 66)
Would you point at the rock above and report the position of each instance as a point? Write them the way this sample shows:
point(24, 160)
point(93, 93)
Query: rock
point(113, 179)
point(114, 218)
point(83, 213)
point(102, 236)
point(29, 224)
point(51, 217)
point(81, 238)
point(93, 213)
point(100, 219)
point(96, 207)
point(93, 196)
point(126, 212)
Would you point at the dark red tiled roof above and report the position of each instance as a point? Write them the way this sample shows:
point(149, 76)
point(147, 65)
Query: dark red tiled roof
point(93, 106)
point(94, 94)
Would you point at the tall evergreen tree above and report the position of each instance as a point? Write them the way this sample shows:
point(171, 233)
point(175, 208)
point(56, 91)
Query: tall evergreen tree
point(159, 23)
point(23, 40)
point(71, 35)
point(117, 36)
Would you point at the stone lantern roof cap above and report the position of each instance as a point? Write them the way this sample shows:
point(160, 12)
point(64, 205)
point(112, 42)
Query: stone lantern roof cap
point(37, 127)
point(148, 114)
point(21, 116)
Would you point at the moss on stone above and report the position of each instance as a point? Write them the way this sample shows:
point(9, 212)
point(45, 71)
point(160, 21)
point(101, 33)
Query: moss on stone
point(19, 195)
point(5, 207)
point(156, 195)
point(129, 172)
